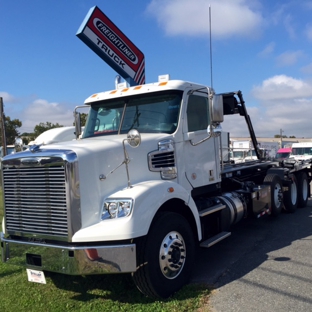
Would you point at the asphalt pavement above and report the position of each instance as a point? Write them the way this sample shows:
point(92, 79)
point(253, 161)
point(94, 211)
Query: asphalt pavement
point(265, 265)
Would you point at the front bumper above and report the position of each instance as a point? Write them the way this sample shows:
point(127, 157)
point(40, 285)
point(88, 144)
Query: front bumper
point(71, 260)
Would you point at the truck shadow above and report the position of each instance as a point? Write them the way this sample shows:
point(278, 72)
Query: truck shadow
point(250, 244)
point(118, 288)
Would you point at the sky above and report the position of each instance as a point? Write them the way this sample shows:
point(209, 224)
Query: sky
point(261, 47)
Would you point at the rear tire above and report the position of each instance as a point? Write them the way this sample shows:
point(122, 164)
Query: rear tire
point(303, 189)
point(276, 193)
point(165, 256)
point(291, 196)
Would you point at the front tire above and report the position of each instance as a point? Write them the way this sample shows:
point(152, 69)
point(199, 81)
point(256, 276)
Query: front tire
point(165, 256)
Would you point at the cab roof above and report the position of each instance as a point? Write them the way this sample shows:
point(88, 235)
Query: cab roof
point(124, 90)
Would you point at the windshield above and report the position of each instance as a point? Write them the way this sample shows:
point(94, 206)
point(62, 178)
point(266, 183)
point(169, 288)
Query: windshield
point(302, 151)
point(148, 113)
point(251, 153)
point(282, 155)
point(237, 154)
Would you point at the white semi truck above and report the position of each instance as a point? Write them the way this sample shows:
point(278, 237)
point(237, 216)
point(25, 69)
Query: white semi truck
point(301, 151)
point(140, 189)
point(55, 135)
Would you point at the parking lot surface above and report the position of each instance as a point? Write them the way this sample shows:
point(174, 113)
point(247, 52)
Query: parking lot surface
point(265, 265)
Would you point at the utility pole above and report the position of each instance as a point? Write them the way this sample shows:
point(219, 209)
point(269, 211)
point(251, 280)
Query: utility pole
point(281, 134)
point(2, 129)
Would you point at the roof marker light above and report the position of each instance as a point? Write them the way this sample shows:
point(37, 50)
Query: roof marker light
point(163, 83)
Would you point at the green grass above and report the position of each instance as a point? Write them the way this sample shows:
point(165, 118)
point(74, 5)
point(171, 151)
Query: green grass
point(91, 293)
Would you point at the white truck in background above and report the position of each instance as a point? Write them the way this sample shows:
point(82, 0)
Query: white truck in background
point(301, 151)
point(55, 135)
point(47, 137)
point(240, 150)
point(140, 189)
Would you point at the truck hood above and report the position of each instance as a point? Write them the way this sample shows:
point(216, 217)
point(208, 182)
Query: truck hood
point(100, 173)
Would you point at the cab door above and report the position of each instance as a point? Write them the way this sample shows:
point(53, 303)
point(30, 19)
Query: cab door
point(202, 163)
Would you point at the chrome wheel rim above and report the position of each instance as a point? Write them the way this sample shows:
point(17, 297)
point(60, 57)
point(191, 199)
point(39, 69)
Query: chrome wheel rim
point(172, 255)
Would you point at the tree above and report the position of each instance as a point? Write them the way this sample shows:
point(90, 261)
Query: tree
point(11, 129)
point(44, 127)
point(83, 119)
point(278, 136)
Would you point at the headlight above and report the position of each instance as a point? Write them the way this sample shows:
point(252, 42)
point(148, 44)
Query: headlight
point(116, 208)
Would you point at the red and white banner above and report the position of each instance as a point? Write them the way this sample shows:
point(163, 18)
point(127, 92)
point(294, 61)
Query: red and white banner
point(100, 34)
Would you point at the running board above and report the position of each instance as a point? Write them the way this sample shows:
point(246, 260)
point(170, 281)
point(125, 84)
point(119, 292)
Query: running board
point(215, 239)
point(212, 209)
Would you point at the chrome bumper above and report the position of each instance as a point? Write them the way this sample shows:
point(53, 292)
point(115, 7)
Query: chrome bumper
point(72, 260)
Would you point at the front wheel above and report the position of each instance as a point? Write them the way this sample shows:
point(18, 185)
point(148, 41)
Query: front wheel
point(165, 256)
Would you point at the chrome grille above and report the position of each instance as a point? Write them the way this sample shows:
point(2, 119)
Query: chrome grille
point(35, 201)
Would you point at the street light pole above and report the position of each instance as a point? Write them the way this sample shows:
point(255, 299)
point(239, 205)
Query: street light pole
point(2, 128)
point(281, 135)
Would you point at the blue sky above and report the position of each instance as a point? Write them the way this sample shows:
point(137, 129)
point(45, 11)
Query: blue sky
point(261, 47)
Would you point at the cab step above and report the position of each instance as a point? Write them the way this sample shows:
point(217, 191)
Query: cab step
point(212, 209)
point(215, 239)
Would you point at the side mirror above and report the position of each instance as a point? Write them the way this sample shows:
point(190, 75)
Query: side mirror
point(77, 124)
point(134, 138)
point(217, 108)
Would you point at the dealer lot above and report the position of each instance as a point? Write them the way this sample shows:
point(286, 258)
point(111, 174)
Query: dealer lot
point(265, 265)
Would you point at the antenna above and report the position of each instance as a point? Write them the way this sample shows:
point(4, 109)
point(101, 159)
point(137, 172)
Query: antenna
point(210, 46)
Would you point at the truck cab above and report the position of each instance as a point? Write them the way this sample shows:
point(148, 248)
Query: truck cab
point(301, 151)
point(283, 153)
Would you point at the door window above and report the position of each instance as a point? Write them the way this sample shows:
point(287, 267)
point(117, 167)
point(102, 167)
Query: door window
point(197, 113)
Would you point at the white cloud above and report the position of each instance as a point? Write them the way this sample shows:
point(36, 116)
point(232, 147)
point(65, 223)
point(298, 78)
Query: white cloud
point(288, 23)
point(268, 50)
point(281, 87)
point(307, 69)
point(289, 58)
point(308, 32)
point(191, 18)
point(42, 111)
point(7, 98)
point(284, 103)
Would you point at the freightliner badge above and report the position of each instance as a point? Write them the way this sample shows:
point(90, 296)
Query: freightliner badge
point(101, 35)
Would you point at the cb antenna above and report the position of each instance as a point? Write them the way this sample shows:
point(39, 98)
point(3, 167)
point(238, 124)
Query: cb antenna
point(210, 46)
